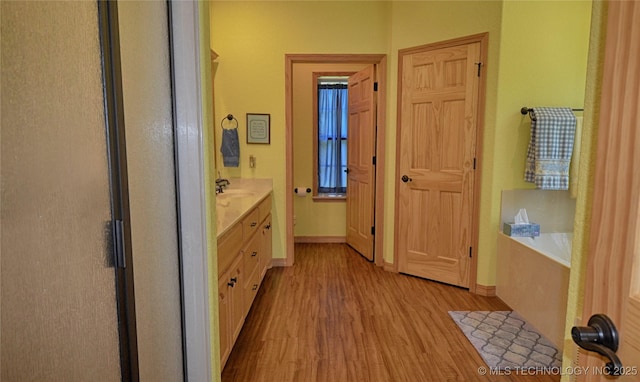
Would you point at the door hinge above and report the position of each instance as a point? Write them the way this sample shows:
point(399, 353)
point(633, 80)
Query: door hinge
point(470, 251)
point(375, 86)
point(479, 67)
point(373, 230)
point(474, 163)
point(118, 243)
point(374, 160)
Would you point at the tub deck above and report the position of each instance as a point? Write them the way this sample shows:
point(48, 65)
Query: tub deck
point(534, 284)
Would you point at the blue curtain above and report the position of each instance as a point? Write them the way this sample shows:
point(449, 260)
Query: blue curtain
point(332, 138)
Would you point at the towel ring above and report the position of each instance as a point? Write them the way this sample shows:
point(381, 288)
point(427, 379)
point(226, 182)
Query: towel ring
point(229, 117)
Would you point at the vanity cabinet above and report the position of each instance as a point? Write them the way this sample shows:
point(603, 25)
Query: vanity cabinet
point(244, 255)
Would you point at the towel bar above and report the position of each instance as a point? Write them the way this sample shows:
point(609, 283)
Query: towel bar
point(525, 110)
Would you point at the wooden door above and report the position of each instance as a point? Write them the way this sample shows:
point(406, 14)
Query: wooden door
point(436, 159)
point(613, 270)
point(360, 153)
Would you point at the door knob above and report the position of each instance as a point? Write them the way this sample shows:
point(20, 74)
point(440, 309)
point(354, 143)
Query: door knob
point(600, 336)
point(406, 179)
point(347, 171)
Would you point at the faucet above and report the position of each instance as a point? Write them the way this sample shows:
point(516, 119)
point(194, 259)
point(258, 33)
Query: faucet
point(221, 183)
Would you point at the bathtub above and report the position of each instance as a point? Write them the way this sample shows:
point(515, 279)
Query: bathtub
point(533, 279)
point(555, 246)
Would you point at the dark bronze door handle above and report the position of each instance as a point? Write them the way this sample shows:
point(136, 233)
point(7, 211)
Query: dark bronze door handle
point(600, 336)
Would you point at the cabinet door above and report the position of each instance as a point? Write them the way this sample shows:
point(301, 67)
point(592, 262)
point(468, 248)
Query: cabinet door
point(251, 256)
point(224, 310)
point(236, 298)
point(266, 248)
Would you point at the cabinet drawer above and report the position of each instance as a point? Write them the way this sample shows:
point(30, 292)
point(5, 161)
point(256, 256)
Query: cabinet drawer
point(265, 207)
point(229, 246)
point(250, 224)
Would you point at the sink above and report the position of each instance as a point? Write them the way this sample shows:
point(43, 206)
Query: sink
point(233, 194)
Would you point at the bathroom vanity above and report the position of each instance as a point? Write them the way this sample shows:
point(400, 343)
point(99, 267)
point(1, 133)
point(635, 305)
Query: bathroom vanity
point(243, 213)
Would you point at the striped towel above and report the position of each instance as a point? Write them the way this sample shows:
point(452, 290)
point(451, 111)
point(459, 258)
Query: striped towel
point(550, 148)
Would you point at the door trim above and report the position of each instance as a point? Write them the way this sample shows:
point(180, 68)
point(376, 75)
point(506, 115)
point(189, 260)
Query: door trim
point(188, 120)
point(380, 60)
point(118, 179)
point(483, 39)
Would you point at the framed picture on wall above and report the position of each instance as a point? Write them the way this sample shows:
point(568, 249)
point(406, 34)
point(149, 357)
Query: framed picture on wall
point(258, 128)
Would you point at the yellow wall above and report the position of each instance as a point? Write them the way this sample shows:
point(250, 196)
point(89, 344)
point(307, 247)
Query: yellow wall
point(543, 60)
point(312, 218)
point(537, 56)
point(423, 22)
point(252, 39)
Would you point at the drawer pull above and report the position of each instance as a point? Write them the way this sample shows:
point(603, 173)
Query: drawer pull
point(254, 254)
point(268, 226)
point(255, 287)
point(253, 224)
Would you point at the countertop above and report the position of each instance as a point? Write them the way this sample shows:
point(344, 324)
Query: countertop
point(237, 199)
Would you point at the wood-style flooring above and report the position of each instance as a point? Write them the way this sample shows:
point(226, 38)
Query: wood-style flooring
point(336, 317)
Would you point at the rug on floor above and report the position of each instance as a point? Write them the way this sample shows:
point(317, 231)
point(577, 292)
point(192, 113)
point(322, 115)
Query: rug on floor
point(506, 341)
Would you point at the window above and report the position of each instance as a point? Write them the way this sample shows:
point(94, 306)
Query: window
point(331, 138)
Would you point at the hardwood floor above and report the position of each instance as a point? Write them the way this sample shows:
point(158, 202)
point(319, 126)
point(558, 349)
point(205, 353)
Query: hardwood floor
point(334, 316)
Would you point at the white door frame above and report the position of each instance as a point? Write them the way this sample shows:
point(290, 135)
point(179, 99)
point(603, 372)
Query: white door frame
point(190, 159)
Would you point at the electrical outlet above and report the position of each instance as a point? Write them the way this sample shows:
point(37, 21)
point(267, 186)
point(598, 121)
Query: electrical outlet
point(252, 161)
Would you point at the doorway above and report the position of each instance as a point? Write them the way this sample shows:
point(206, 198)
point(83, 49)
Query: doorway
point(440, 103)
point(291, 60)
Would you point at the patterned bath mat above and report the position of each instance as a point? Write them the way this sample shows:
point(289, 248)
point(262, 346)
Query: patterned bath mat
point(506, 341)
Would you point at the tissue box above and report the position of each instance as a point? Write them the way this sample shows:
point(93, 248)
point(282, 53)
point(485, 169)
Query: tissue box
point(529, 229)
